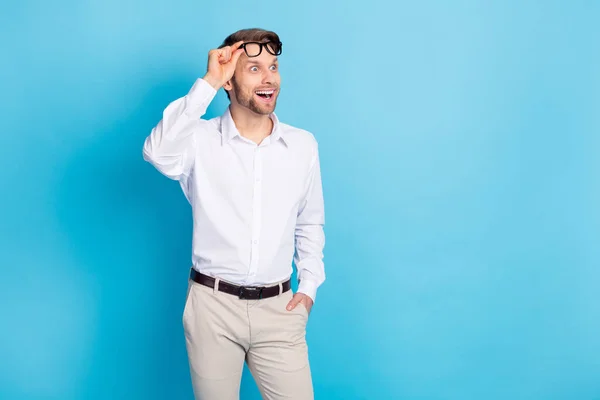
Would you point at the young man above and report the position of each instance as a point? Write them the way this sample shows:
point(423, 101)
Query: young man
point(254, 185)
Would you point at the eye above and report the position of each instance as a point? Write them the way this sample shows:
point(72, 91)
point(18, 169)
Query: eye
point(254, 69)
point(273, 67)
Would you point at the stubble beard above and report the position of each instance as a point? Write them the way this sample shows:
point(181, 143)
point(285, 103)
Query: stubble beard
point(247, 100)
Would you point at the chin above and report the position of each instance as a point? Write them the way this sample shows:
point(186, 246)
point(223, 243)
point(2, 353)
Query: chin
point(263, 109)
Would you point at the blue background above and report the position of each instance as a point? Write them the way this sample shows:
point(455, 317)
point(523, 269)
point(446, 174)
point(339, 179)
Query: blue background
point(459, 144)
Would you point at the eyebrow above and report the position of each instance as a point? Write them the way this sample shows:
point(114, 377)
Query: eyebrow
point(275, 61)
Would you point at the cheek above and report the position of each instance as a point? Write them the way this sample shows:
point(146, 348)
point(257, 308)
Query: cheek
point(250, 82)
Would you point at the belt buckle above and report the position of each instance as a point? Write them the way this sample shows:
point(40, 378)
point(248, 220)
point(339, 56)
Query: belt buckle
point(249, 292)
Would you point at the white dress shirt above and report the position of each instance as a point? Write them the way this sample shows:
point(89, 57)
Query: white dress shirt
point(255, 207)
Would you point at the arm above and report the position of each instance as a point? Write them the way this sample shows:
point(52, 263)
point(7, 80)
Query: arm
point(310, 237)
point(171, 144)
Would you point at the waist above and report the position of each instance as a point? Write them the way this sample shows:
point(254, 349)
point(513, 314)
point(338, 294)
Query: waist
point(249, 292)
point(238, 273)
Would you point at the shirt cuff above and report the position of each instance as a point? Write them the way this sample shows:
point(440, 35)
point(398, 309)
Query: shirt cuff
point(309, 288)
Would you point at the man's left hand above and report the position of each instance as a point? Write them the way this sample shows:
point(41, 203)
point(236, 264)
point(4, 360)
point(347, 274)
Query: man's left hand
point(300, 300)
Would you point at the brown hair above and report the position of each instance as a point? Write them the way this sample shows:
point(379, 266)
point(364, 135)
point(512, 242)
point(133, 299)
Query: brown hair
point(250, 35)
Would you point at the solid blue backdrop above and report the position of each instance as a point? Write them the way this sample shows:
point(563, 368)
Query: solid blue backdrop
point(459, 144)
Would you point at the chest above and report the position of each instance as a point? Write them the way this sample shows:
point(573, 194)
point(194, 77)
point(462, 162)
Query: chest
point(240, 172)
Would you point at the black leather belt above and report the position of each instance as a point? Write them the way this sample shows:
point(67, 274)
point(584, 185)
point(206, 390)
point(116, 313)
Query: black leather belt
point(243, 292)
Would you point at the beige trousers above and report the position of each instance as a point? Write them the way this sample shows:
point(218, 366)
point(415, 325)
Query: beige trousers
point(222, 332)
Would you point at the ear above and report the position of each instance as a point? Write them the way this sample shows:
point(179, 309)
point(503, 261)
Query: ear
point(227, 85)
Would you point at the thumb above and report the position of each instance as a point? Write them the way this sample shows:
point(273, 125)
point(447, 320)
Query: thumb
point(294, 302)
point(236, 56)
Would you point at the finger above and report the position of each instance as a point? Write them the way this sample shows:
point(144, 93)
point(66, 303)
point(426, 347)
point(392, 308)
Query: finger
point(236, 45)
point(225, 55)
point(236, 56)
point(294, 302)
point(291, 305)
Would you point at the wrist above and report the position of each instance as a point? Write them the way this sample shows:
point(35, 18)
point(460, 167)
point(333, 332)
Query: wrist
point(308, 288)
point(212, 81)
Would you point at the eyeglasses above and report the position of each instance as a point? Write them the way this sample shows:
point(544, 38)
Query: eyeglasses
point(253, 49)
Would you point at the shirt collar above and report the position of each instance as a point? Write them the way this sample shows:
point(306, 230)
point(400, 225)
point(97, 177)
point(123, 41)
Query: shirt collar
point(229, 130)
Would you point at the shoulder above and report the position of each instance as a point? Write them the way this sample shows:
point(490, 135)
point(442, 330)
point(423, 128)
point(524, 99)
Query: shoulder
point(214, 122)
point(300, 139)
point(208, 129)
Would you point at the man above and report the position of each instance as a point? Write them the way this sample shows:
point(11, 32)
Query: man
point(254, 185)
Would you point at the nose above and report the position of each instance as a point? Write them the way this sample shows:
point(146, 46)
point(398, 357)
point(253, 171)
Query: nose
point(269, 76)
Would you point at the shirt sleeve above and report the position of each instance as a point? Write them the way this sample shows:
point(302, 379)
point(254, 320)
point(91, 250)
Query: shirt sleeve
point(171, 145)
point(309, 234)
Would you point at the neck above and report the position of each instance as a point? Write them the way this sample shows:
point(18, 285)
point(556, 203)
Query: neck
point(249, 124)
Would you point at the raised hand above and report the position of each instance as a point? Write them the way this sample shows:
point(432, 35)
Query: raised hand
point(221, 64)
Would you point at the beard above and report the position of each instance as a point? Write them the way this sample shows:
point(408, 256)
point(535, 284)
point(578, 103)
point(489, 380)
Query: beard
point(247, 99)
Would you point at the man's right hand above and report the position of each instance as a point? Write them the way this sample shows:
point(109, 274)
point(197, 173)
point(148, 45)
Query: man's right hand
point(221, 64)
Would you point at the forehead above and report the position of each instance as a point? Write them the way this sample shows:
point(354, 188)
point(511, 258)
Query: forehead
point(263, 58)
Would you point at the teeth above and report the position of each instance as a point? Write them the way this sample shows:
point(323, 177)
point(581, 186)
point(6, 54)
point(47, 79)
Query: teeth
point(264, 92)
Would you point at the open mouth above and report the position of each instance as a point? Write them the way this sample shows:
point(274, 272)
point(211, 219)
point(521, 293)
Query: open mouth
point(266, 95)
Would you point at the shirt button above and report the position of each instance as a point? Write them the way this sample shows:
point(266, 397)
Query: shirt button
point(255, 242)
point(257, 179)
